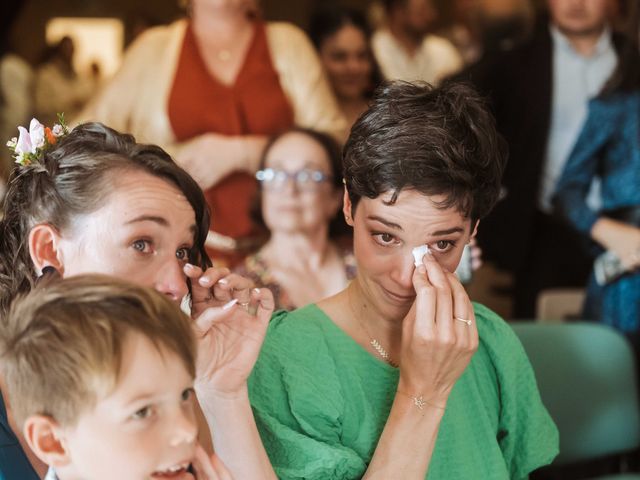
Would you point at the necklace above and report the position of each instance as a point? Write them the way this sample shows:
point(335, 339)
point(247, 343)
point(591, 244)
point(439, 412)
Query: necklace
point(375, 344)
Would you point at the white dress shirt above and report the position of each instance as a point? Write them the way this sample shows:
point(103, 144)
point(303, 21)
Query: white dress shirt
point(576, 80)
point(436, 58)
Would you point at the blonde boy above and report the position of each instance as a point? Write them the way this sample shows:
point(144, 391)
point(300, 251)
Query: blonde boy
point(99, 374)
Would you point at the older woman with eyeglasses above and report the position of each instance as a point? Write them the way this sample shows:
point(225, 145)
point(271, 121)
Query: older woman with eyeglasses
point(300, 194)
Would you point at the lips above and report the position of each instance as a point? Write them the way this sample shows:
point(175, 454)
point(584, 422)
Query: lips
point(401, 299)
point(178, 471)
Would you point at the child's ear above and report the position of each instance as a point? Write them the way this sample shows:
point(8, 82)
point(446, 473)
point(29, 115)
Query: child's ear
point(44, 241)
point(43, 435)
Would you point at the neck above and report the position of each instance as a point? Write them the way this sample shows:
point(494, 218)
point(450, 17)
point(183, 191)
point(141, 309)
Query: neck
point(222, 24)
point(387, 331)
point(584, 43)
point(305, 248)
point(409, 42)
point(352, 107)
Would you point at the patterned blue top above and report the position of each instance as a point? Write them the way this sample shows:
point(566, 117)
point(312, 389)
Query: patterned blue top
point(14, 464)
point(608, 147)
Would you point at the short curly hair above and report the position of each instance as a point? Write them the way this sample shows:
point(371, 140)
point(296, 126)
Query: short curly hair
point(437, 141)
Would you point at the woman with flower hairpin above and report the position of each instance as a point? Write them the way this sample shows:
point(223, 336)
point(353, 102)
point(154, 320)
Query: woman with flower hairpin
point(221, 82)
point(92, 200)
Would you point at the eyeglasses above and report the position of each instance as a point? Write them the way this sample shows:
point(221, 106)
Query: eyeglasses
point(305, 179)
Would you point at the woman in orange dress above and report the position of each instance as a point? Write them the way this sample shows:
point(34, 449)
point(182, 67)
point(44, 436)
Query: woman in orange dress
point(211, 89)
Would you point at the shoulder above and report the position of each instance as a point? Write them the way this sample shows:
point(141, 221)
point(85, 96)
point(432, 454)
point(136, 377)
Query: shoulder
point(616, 104)
point(306, 322)
point(438, 44)
point(284, 31)
point(498, 340)
point(155, 37)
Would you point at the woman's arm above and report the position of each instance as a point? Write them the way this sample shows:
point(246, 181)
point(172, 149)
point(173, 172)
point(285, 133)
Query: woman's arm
point(230, 321)
point(581, 168)
point(210, 157)
point(436, 349)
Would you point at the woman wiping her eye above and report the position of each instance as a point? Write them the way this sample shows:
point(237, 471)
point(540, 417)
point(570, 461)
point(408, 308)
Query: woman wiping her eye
point(399, 374)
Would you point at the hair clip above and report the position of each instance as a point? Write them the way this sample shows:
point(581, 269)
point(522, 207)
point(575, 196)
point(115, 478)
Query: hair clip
point(32, 143)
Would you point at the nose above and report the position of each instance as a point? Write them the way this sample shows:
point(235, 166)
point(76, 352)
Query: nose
point(402, 272)
point(172, 281)
point(183, 427)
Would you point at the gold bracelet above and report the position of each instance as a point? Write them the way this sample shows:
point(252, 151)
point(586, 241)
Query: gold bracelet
point(419, 401)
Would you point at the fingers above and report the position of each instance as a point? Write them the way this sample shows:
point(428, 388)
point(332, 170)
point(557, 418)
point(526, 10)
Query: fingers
point(265, 304)
point(463, 309)
point(441, 296)
point(219, 284)
point(212, 315)
point(209, 468)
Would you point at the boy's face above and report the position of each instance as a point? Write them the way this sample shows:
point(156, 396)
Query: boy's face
point(144, 429)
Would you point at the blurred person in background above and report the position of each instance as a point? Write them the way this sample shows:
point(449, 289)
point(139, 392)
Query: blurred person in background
point(407, 49)
point(58, 87)
point(608, 148)
point(211, 89)
point(300, 195)
point(342, 39)
point(16, 88)
point(481, 26)
point(539, 92)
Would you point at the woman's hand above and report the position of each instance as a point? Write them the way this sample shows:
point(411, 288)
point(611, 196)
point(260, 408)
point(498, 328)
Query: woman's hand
point(210, 157)
point(621, 238)
point(208, 467)
point(436, 347)
point(231, 321)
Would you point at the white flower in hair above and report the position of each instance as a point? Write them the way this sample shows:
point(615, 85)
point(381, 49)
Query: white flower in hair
point(58, 130)
point(24, 144)
point(36, 132)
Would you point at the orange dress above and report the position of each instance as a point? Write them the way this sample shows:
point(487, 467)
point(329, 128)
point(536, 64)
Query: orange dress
point(254, 104)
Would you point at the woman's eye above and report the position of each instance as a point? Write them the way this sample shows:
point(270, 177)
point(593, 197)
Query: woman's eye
point(142, 413)
point(443, 245)
point(187, 394)
point(142, 246)
point(183, 254)
point(385, 239)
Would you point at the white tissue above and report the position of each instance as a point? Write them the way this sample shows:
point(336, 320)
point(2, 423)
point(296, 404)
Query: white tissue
point(418, 253)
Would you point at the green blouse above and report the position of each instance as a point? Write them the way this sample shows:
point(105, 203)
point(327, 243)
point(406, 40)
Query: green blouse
point(321, 402)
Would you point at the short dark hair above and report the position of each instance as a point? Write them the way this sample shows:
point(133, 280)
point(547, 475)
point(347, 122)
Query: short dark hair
point(437, 141)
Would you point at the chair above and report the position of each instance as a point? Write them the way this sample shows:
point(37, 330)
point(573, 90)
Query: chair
point(587, 378)
point(556, 305)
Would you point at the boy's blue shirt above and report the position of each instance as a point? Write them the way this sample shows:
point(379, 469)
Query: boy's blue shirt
point(14, 464)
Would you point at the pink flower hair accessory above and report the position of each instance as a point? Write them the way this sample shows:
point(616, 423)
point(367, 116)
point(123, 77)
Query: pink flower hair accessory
point(31, 144)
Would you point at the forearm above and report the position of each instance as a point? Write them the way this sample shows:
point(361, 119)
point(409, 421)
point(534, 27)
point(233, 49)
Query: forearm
point(235, 436)
point(407, 441)
point(250, 148)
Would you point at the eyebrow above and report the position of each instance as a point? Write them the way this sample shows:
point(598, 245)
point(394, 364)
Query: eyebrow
point(385, 222)
point(159, 220)
point(449, 231)
point(438, 233)
point(149, 218)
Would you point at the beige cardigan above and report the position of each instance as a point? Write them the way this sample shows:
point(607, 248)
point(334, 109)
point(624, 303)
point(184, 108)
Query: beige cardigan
point(136, 99)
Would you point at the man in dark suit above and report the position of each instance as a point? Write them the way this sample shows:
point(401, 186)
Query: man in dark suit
point(539, 93)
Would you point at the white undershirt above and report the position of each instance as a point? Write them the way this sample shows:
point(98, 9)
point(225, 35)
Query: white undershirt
point(576, 80)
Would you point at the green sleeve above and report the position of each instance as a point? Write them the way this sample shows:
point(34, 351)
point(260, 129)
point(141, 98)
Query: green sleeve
point(526, 433)
point(298, 404)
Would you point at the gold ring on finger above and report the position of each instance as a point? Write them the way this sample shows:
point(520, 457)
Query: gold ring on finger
point(463, 320)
